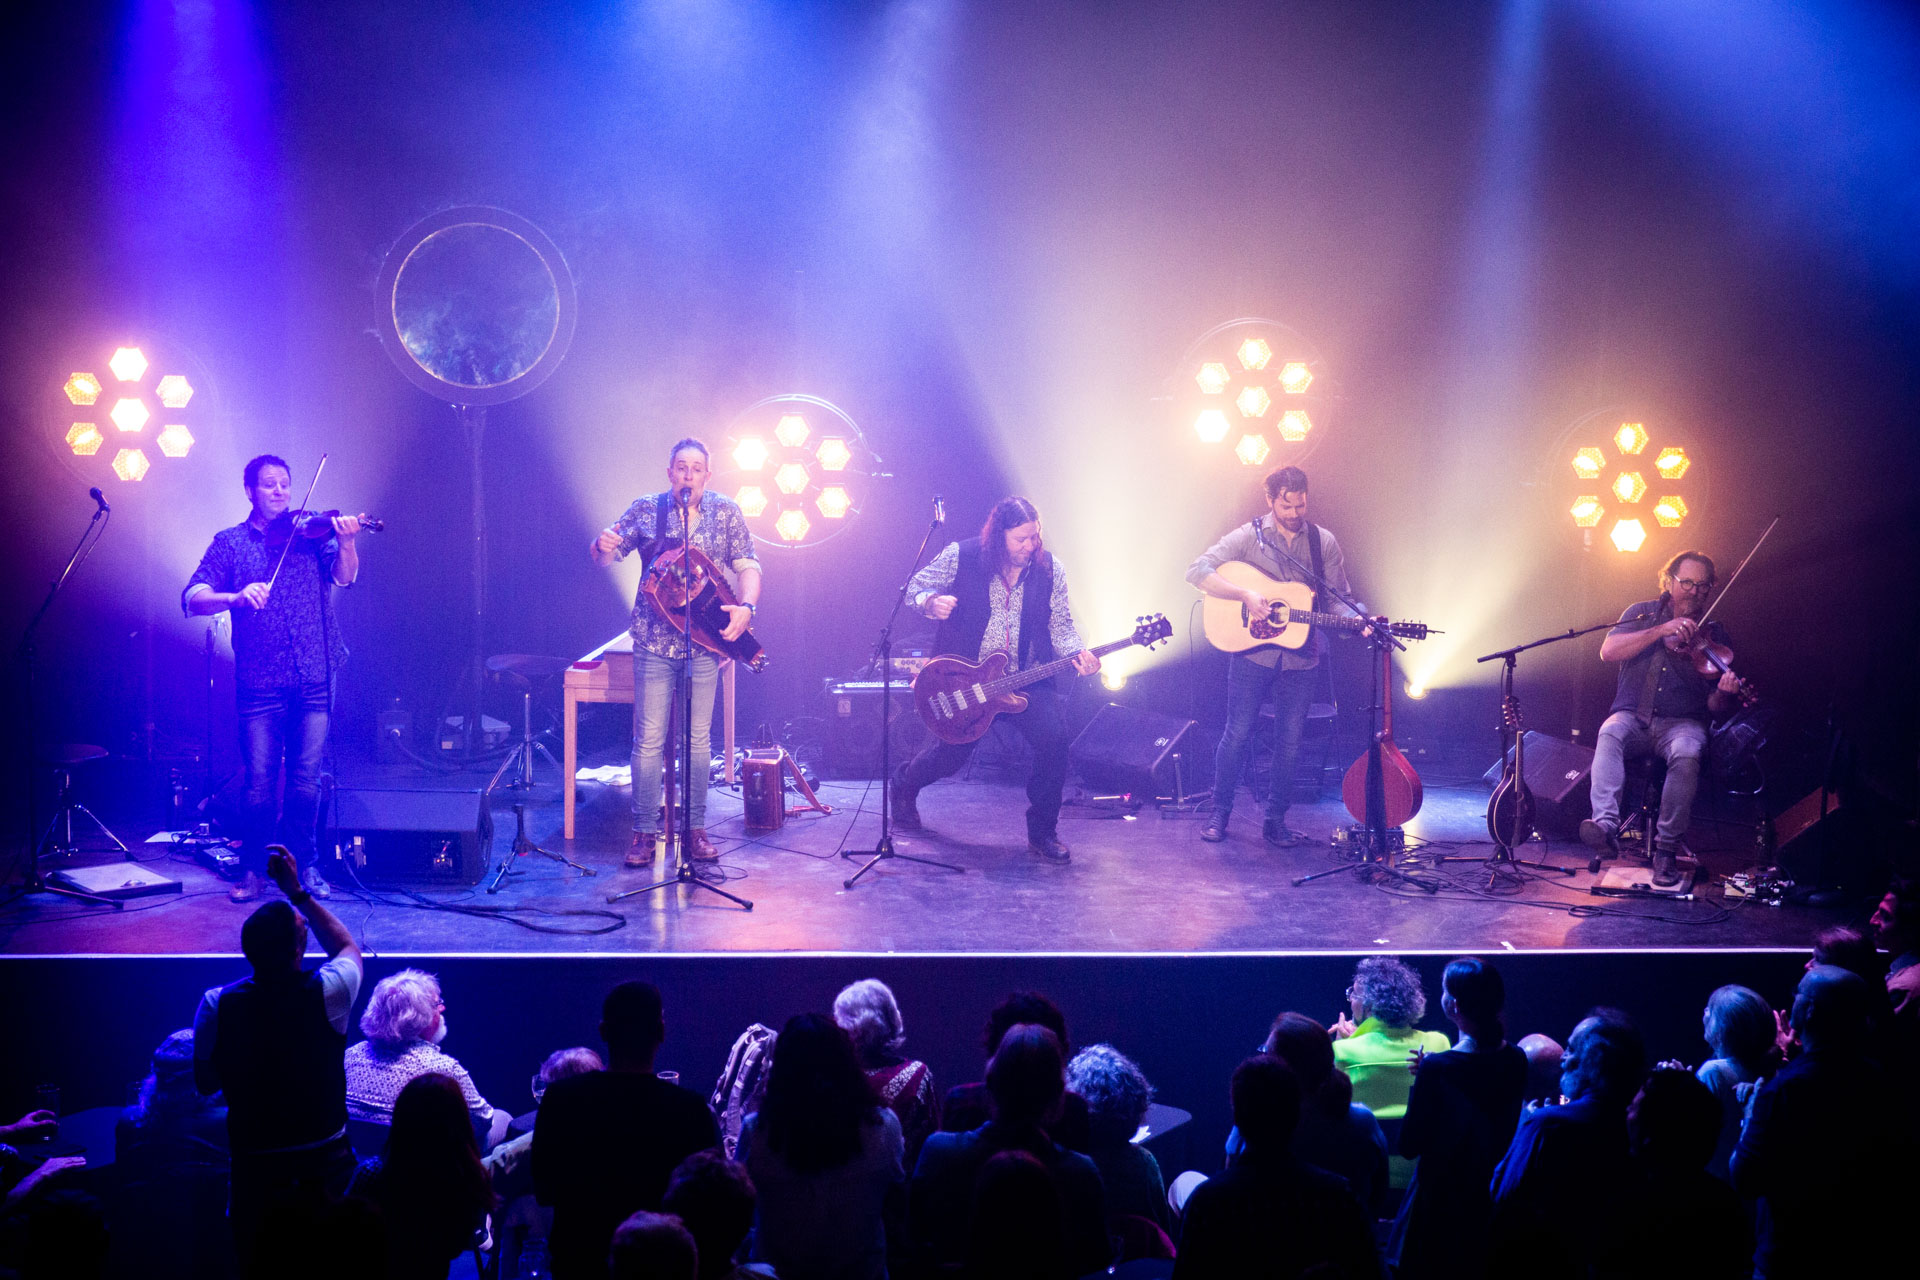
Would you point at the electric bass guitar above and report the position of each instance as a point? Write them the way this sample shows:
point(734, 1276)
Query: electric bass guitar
point(959, 699)
point(1231, 626)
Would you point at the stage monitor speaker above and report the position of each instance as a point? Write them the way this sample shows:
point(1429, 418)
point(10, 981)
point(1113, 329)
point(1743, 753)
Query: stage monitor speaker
point(1804, 836)
point(393, 835)
point(1129, 751)
point(1560, 776)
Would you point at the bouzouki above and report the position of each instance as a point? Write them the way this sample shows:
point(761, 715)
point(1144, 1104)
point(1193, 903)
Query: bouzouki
point(668, 595)
point(959, 699)
point(1510, 808)
point(1231, 627)
point(1400, 789)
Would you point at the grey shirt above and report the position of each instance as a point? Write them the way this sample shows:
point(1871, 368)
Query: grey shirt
point(1242, 543)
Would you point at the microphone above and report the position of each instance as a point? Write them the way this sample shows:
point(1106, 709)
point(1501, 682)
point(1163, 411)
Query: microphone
point(939, 508)
point(99, 498)
point(682, 494)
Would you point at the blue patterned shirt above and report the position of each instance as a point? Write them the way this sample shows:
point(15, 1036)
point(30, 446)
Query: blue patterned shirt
point(295, 640)
point(720, 530)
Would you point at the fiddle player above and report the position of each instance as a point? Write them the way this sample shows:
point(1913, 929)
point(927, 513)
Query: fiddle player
point(286, 650)
point(1662, 707)
point(661, 657)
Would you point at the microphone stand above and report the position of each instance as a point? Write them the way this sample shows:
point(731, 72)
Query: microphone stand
point(883, 850)
point(27, 653)
point(679, 786)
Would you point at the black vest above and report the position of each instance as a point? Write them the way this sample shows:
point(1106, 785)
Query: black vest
point(961, 632)
point(282, 1065)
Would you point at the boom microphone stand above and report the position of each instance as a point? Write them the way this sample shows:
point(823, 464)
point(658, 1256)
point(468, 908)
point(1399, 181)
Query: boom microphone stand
point(680, 769)
point(883, 652)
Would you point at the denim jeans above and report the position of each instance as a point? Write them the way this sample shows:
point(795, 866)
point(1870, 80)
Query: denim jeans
point(657, 682)
point(1248, 684)
point(1681, 743)
point(282, 725)
point(1045, 731)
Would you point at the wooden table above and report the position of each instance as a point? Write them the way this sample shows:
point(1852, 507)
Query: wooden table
point(606, 675)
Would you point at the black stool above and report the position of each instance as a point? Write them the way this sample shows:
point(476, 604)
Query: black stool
point(64, 760)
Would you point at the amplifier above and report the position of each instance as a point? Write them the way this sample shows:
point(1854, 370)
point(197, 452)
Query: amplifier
point(853, 728)
point(1130, 751)
point(393, 835)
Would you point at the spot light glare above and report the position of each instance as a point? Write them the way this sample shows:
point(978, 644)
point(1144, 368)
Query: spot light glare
point(1255, 353)
point(82, 389)
point(84, 438)
point(750, 454)
point(1628, 535)
point(1628, 486)
point(1631, 438)
point(1213, 378)
point(833, 454)
point(174, 391)
point(1253, 402)
point(1587, 511)
point(1589, 463)
point(1113, 681)
point(792, 525)
point(1416, 690)
point(174, 440)
point(752, 500)
point(1672, 463)
point(791, 478)
point(130, 414)
point(834, 502)
point(129, 364)
point(1211, 426)
point(1252, 450)
point(1294, 425)
point(1670, 511)
point(791, 430)
point(1295, 377)
point(130, 464)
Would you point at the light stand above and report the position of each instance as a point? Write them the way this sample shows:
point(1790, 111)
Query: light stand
point(883, 850)
point(677, 785)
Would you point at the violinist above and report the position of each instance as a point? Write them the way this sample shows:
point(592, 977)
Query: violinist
point(650, 525)
point(1662, 706)
point(286, 648)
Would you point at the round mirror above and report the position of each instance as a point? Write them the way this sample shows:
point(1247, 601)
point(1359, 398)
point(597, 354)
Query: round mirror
point(479, 305)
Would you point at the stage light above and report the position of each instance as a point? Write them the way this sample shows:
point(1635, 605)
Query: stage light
point(85, 439)
point(1295, 377)
point(1672, 463)
point(1254, 353)
point(1261, 365)
point(791, 478)
point(82, 388)
point(174, 440)
point(1631, 438)
point(752, 500)
point(1589, 463)
point(1252, 450)
point(791, 431)
point(1114, 681)
point(130, 464)
point(750, 454)
point(1629, 487)
point(129, 364)
point(1587, 510)
point(1294, 425)
point(174, 391)
point(1213, 378)
point(130, 414)
point(1628, 535)
point(792, 525)
point(1253, 402)
point(1416, 690)
point(1211, 426)
point(1670, 511)
point(834, 503)
point(833, 454)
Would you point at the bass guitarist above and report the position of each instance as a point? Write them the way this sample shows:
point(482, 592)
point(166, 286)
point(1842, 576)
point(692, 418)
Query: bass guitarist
point(1289, 675)
point(1002, 592)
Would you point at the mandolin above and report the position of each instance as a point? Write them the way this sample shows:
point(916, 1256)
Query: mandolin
point(1231, 628)
point(1510, 808)
point(1399, 780)
point(959, 699)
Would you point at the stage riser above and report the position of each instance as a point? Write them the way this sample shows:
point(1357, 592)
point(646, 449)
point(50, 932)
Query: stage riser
point(89, 1023)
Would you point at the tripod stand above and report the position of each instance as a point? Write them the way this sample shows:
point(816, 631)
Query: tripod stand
point(679, 773)
point(883, 850)
point(524, 669)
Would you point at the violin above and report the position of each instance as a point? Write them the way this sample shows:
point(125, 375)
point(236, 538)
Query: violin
point(317, 524)
point(1711, 660)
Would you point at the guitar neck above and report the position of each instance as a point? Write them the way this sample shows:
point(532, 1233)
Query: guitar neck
point(1047, 671)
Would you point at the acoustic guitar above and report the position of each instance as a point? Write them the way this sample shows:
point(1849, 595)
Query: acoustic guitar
point(1231, 627)
point(959, 699)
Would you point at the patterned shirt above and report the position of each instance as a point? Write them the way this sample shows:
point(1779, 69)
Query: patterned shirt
point(720, 530)
point(376, 1076)
point(1243, 543)
point(295, 640)
point(1003, 604)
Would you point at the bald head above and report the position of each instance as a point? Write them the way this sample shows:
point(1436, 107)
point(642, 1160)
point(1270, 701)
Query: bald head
point(1831, 1008)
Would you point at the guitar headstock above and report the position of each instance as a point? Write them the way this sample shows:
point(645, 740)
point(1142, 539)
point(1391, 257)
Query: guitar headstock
point(1409, 630)
point(1153, 629)
point(1510, 714)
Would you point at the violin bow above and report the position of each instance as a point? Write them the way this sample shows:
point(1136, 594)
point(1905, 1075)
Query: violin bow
point(1737, 572)
point(302, 507)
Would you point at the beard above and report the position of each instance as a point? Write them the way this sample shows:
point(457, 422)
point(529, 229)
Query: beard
point(439, 1035)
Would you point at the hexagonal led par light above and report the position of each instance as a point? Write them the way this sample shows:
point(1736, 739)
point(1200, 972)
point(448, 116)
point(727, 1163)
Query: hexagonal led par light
point(133, 407)
point(1620, 465)
point(800, 469)
point(1233, 378)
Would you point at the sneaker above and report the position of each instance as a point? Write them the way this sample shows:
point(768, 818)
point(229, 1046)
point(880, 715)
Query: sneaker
point(1666, 867)
point(640, 850)
point(906, 809)
point(1049, 848)
point(316, 884)
point(1601, 837)
point(1277, 833)
point(1214, 829)
point(700, 849)
point(245, 889)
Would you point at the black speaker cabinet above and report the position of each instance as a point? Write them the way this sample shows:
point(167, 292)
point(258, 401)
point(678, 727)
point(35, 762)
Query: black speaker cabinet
point(1130, 751)
point(853, 728)
point(390, 835)
point(1560, 776)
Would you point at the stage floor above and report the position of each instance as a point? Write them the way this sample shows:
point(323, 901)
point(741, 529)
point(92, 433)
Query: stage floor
point(1140, 884)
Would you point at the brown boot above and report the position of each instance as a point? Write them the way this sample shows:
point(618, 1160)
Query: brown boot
point(245, 889)
point(640, 851)
point(700, 849)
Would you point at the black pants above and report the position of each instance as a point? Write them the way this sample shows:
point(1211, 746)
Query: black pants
point(1045, 731)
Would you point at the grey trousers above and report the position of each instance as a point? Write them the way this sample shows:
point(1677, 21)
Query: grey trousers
point(1681, 743)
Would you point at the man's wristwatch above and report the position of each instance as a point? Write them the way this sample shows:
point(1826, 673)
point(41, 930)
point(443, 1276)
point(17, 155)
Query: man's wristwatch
point(300, 897)
point(753, 610)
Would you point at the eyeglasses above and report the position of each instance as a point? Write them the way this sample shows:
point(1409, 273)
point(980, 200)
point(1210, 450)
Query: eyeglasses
point(1697, 585)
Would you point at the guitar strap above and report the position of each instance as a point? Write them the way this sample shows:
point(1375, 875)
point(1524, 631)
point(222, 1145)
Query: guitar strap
point(1319, 567)
point(1650, 687)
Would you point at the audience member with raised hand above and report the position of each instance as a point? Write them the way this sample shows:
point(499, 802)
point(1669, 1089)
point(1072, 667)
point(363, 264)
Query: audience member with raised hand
point(1687, 1224)
point(275, 1044)
point(405, 1022)
point(1026, 1083)
point(1460, 1120)
point(1827, 1147)
point(967, 1106)
point(1335, 1133)
point(1271, 1214)
point(432, 1191)
point(1567, 1167)
point(1739, 1029)
point(652, 1246)
point(825, 1158)
point(1375, 1045)
point(867, 1012)
point(714, 1199)
point(1117, 1094)
point(608, 1140)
